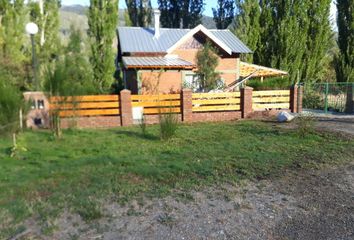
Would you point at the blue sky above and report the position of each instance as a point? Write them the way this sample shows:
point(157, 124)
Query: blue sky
point(209, 5)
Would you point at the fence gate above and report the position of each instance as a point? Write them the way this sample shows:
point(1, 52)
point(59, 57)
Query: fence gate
point(329, 97)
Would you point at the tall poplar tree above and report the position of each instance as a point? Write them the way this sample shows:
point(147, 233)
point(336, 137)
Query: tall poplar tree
point(247, 25)
point(13, 57)
point(45, 13)
point(318, 41)
point(185, 13)
point(12, 24)
point(290, 35)
point(224, 13)
point(140, 12)
point(345, 22)
point(102, 20)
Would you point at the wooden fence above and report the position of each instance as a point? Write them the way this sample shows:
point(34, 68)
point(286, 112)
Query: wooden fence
point(210, 102)
point(274, 99)
point(117, 110)
point(155, 104)
point(85, 106)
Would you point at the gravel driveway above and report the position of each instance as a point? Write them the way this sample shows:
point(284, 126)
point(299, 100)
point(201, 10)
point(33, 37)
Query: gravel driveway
point(314, 204)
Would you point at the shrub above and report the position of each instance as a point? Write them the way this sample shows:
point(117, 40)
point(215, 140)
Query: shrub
point(142, 125)
point(312, 99)
point(269, 83)
point(11, 101)
point(168, 125)
point(305, 125)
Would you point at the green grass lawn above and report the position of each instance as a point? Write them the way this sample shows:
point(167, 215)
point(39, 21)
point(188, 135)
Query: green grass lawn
point(87, 167)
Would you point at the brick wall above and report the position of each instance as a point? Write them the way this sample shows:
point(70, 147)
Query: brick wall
point(91, 122)
point(216, 116)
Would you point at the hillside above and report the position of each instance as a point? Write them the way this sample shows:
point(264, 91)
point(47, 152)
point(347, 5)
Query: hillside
point(75, 15)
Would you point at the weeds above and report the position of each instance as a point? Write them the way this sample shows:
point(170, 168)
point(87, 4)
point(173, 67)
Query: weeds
point(142, 125)
point(168, 125)
point(305, 125)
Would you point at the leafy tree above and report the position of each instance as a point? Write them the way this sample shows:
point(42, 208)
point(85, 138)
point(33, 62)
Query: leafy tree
point(345, 22)
point(11, 101)
point(12, 24)
point(247, 25)
point(207, 61)
point(173, 12)
point(102, 20)
point(224, 13)
point(140, 12)
point(13, 55)
point(77, 67)
point(45, 13)
point(318, 41)
point(290, 35)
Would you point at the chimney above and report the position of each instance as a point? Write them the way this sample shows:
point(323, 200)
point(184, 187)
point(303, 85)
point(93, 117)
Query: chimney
point(157, 23)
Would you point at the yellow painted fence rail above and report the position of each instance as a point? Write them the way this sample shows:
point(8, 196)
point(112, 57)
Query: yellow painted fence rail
point(273, 99)
point(210, 102)
point(155, 104)
point(86, 106)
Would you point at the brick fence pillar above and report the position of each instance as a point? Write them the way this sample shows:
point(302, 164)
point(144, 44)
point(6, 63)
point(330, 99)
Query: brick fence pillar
point(349, 106)
point(186, 105)
point(296, 98)
point(246, 101)
point(126, 112)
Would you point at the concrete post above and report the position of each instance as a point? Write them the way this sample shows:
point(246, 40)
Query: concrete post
point(126, 111)
point(246, 101)
point(186, 105)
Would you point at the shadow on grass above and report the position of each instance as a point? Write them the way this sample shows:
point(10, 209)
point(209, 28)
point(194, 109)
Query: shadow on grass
point(137, 135)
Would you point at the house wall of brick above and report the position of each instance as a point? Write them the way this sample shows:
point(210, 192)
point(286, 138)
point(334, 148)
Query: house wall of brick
point(154, 82)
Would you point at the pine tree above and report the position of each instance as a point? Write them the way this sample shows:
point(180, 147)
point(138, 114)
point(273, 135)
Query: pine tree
point(175, 12)
point(102, 20)
point(247, 25)
point(345, 22)
point(140, 12)
point(224, 13)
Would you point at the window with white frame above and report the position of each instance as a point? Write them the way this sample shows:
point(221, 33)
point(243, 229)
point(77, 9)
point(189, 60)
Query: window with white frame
point(191, 80)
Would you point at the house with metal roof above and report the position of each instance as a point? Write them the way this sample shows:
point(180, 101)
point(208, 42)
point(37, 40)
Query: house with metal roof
point(162, 60)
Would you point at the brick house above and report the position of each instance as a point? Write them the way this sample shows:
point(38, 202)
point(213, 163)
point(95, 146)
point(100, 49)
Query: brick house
point(162, 60)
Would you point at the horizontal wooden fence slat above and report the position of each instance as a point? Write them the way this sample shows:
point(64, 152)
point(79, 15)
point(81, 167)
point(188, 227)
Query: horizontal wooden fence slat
point(271, 105)
point(215, 95)
point(156, 97)
point(271, 93)
point(85, 105)
point(270, 99)
point(209, 102)
point(156, 103)
point(216, 101)
point(216, 108)
point(88, 98)
point(161, 110)
point(95, 112)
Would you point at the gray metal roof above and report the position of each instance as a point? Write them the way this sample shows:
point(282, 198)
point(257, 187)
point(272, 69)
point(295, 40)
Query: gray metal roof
point(155, 62)
point(137, 39)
